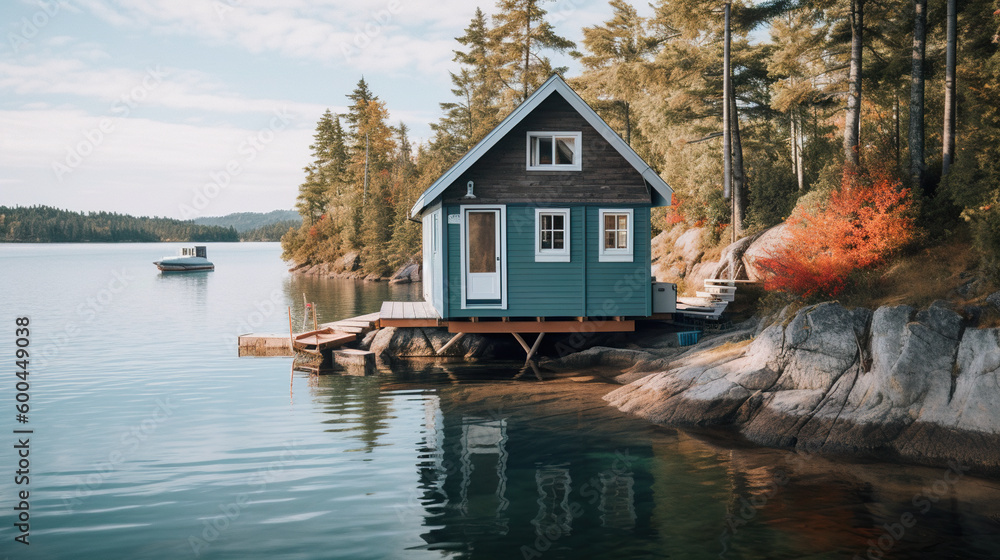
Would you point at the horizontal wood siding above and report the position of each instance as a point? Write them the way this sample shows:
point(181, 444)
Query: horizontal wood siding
point(619, 288)
point(501, 175)
point(534, 289)
point(554, 289)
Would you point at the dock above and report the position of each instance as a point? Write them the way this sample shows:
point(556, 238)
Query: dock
point(329, 336)
point(327, 341)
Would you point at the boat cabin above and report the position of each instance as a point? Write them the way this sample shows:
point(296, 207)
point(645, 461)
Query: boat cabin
point(196, 251)
point(547, 216)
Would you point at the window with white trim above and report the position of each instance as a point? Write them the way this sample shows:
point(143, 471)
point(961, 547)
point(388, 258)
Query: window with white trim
point(554, 151)
point(552, 235)
point(616, 226)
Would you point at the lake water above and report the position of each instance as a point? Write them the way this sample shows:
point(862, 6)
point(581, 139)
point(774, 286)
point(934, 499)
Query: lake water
point(151, 439)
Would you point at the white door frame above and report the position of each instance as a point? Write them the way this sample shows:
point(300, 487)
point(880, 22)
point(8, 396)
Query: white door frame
point(502, 226)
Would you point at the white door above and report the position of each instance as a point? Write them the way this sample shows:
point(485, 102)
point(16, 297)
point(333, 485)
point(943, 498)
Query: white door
point(482, 256)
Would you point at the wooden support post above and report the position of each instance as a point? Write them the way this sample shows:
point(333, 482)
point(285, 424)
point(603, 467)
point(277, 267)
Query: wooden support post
point(450, 343)
point(534, 348)
point(521, 342)
point(538, 372)
point(315, 319)
point(291, 335)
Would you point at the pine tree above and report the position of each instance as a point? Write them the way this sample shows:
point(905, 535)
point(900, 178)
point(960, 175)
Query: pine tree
point(616, 65)
point(519, 36)
point(804, 65)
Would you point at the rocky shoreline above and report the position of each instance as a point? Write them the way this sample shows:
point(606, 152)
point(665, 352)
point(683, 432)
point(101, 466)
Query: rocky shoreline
point(896, 383)
point(349, 267)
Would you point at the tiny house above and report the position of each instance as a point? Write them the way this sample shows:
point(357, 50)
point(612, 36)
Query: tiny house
point(548, 216)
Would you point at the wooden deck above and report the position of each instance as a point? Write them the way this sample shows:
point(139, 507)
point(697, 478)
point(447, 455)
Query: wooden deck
point(408, 314)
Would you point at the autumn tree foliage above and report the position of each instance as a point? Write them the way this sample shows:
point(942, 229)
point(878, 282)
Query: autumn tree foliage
point(865, 221)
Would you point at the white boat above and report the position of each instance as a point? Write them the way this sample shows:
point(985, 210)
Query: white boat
point(190, 259)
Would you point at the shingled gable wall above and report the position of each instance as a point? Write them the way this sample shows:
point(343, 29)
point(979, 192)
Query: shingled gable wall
point(500, 175)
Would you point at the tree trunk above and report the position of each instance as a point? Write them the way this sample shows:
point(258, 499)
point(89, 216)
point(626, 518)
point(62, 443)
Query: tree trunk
point(852, 126)
point(795, 145)
point(739, 178)
point(917, 166)
point(527, 56)
point(727, 146)
point(895, 129)
point(950, 99)
point(628, 124)
point(800, 137)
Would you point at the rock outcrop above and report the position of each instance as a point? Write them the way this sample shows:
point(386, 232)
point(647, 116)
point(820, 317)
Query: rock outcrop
point(349, 266)
point(894, 383)
point(409, 272)
point(680, 257)
point(390, 343)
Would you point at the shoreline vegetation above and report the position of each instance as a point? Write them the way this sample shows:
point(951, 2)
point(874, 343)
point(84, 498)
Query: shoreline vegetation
point(45, 224)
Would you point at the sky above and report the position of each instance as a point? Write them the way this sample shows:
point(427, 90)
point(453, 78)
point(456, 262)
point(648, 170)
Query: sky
point(189, 108)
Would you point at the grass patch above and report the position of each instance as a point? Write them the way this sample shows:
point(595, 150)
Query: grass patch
point(921, 277)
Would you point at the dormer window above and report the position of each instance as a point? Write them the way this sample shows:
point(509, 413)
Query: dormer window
point(554, 151)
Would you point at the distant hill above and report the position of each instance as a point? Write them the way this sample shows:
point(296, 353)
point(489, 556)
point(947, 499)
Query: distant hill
point(243, 222)
point(272, 232)
point(45, 224)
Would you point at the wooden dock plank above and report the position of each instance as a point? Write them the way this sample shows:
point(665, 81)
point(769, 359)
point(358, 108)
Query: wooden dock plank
point(408, 314)
point(370, 318)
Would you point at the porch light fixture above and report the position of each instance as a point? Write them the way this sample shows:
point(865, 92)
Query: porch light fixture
point(468, 190)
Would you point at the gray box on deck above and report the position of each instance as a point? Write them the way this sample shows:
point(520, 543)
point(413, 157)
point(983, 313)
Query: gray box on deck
point(664, 297)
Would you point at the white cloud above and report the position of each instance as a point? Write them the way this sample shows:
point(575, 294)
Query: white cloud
point(154, 86)
point(382, 37)
point(145, 166)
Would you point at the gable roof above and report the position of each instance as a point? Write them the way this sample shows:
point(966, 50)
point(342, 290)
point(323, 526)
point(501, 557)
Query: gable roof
point(660, 191)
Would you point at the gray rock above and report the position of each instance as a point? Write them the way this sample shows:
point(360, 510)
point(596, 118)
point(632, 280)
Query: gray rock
point(407, 273)
point(347, 263)
point(391, 342)
point(688, 247)
point(765, 245)
point(366, 342)
point(994, 300)
point(895, 382)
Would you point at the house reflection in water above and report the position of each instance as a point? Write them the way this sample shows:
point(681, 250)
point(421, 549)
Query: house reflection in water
point(496, 484)
point(483, 460)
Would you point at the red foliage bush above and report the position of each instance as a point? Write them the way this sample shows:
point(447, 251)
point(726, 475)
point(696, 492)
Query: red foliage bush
point(674, 215)
point(865, 221)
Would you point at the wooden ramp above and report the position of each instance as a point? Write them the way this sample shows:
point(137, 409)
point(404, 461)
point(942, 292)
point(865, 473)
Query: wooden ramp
point(315, 342)
point(360, 325)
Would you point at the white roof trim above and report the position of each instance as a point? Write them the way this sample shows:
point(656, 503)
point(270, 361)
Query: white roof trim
point(553, 84)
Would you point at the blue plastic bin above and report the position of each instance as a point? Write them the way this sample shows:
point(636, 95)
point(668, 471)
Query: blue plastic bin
point(688, 338)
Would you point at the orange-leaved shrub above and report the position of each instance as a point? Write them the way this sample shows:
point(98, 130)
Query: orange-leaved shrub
point(864, 222)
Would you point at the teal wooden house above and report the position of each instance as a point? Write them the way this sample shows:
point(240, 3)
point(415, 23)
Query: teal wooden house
point(546, 219)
